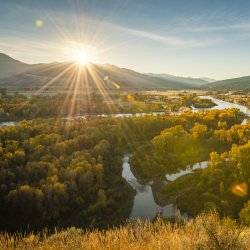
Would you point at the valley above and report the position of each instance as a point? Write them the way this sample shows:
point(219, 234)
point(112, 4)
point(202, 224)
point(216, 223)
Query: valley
point(190, 134)
point(102, 156)
point(124, 125)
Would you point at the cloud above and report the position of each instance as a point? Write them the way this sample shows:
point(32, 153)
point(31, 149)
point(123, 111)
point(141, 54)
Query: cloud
point(31, 51)
point(169, 40)
point(241, 26)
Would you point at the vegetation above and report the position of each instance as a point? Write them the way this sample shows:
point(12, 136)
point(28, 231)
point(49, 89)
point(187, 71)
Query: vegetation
point(17, 106)
point(56, 172)
point(238, 97)
point(206, 231)
point(188, 142)
point(196, 102)
point(235, 84)
point(223, 186)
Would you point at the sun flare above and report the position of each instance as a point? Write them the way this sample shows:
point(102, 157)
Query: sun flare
point(81, 56)
point(81, 53)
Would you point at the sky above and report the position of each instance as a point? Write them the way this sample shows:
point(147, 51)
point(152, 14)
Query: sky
point(198, 38)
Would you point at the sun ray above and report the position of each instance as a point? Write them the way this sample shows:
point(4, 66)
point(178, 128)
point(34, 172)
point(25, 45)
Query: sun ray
point(80, 53)
point(99, 82)
point(55, 78)
point(76, 86)
point(70, 87)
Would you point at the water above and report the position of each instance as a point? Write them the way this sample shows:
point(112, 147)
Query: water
point(119, 115)
point(220, 104)
point(145, 205)
point(10, 123)
point(188, 170)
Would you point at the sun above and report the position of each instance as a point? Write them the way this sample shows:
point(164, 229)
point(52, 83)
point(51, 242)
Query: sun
point(82, 54)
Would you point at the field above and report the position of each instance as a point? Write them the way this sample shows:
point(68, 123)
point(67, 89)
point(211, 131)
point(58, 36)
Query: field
point(206, 231)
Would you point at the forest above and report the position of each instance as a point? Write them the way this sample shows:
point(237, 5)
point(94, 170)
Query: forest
point(60, 172)
point(18, 106)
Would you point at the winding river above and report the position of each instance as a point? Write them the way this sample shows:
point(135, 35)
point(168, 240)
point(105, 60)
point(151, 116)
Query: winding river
point(146, 203)
point(220, 104)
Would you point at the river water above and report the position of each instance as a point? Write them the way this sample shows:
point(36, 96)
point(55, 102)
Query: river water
point(10, 123)
point(219, 105)
point(146, 205)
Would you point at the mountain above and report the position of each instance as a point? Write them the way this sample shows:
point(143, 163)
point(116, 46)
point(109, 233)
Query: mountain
point(206, 79)
point(241, 83)
point(188, 80)
point(69, 76)
point(10, 66)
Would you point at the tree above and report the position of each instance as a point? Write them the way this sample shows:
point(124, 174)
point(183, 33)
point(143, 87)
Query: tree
point(245, 214)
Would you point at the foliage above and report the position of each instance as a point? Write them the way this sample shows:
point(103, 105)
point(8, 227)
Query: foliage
point(60, 172)
point(207, 231)
point(222, 186)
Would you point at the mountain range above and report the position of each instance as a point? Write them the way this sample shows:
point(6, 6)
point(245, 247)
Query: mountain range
point(188, 80)
point(10, 66)
point(16, 75)
point(240, 83)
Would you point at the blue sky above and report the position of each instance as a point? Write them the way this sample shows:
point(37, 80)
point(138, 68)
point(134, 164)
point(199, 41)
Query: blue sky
point(209, 38)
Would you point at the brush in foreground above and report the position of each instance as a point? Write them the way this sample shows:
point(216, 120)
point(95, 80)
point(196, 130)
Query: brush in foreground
point(207, 231)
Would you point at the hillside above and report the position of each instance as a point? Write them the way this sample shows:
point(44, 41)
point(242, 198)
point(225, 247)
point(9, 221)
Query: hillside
point(10, 66)
point(203, 232)
point(188, 80)
point(241, 83)
point(68, 75)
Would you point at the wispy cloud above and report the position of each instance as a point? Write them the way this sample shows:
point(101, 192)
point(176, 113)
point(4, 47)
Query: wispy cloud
point(26, 50)
point(240, 26)
point(168, 40)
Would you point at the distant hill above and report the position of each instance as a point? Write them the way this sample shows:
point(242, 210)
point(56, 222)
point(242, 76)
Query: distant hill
point(10, 66)
point(241, 83)
point(188, 80)
point(68, 75)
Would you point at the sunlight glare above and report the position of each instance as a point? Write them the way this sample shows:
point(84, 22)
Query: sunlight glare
point(81, 53)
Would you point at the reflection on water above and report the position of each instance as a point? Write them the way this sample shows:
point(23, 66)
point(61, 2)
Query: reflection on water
point(144, 205)
point(199, 165)
point(2, 124)
point(220, 104)
point(118, 115)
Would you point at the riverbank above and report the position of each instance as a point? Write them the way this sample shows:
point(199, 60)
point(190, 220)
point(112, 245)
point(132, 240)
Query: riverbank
point(220, 104)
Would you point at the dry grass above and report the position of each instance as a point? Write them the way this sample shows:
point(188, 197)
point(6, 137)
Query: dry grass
point(204, 232)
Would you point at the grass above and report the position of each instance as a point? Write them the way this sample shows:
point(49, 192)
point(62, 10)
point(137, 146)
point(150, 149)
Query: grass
point(207, 231)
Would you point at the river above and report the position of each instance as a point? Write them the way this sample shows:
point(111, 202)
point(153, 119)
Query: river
point(219, 105)
point(9, 123)
point(146, 205)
